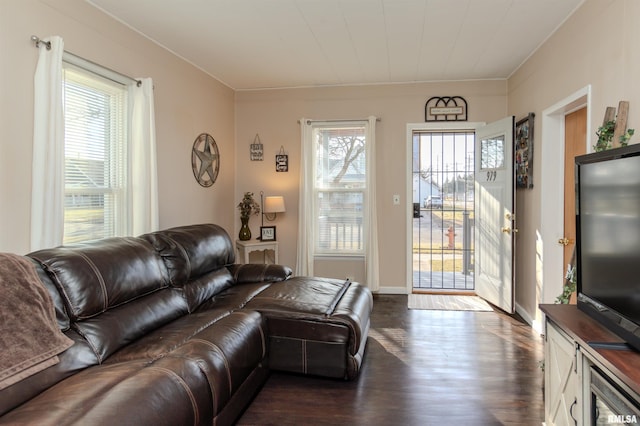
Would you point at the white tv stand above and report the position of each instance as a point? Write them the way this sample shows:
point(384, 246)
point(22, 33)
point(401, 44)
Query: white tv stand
point(581, 358)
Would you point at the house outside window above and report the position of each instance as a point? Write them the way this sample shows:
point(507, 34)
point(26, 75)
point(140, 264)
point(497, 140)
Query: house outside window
point(340, 189)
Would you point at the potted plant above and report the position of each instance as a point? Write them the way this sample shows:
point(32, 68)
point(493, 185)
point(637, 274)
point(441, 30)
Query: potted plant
point(569, 290)
point(605, 136)
point(248, 206)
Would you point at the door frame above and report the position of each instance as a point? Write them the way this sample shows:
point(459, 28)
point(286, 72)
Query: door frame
point(426, 127)
point(548, 251)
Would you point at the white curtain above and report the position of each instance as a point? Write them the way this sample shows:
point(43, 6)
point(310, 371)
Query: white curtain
point(304, 264)
point(47, 194)
point(371, 242)
point(143, 176)
point(304, 258)
point(47, 176)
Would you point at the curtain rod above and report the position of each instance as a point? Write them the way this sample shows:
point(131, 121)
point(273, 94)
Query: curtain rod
point(37, 41)
point(378, 119)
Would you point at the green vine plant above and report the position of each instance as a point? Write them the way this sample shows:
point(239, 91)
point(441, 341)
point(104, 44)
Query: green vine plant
point(605, 136)
point(569, 285)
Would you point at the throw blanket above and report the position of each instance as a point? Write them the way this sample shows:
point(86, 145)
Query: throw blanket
point(30, 338)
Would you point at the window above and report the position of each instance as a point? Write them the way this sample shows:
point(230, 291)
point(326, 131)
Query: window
point(95, 125)
point(337, 214)
point(340, 188)
point(492, 153)
point(100, 179)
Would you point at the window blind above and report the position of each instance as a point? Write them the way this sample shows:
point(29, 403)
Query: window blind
point(340, 188)
point(95, 155)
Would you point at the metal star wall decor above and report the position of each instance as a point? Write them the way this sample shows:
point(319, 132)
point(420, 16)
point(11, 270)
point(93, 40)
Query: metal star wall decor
point(205, 159)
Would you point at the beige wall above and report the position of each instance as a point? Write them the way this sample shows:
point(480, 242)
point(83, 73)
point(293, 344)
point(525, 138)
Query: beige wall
point(597, 46)
point(188, 102)
point(274, 114)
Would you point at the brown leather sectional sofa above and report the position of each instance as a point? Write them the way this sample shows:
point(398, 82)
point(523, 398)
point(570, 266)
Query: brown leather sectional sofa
point(168, 330)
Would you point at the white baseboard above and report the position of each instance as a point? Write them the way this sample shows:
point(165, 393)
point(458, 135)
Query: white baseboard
point(392, 290)
point(524, 314)
point(536, 325)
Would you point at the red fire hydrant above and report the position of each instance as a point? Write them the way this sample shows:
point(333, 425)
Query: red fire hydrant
point(451, 234)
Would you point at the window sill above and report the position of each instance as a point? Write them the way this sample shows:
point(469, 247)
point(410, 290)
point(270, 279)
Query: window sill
point(346, 256)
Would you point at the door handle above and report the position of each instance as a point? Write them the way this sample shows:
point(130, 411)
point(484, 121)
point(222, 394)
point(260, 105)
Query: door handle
point(506, 229)
point(565, 241)
point(575, 402)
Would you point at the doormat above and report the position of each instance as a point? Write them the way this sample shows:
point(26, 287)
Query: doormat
point(448, 302)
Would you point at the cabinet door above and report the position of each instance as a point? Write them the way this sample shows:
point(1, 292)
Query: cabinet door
point(562, 393)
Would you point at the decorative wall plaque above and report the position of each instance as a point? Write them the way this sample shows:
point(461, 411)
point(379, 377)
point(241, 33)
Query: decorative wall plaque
point(256, 149)
point(524, 152)
point(446, 108)
point(205, 159)
point(282, 161)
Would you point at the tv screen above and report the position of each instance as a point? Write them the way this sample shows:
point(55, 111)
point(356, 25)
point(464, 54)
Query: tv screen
point(608, 239)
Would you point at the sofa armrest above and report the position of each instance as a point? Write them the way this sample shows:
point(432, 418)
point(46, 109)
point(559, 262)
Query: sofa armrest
point(255, 272)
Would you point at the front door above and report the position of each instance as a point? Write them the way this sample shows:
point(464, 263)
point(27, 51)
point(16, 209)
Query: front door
point(495, 214)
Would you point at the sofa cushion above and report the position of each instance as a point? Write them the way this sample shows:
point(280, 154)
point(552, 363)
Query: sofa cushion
point(192, 251)
point(171, 391)
point(302, 296)
point(94, 277)
point(228, 352)
point(198, 291)
point(115, 290)
point(195, 257)
point(235, 297)
point(127, 323)
point(228, 347)
point(168, 338)
point(316, 325)
point(255, 272)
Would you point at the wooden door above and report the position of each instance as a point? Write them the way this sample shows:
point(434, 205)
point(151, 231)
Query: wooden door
point(575, 143)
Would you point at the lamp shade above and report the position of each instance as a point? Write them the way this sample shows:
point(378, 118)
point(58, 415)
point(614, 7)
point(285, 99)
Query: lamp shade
point(274, 204)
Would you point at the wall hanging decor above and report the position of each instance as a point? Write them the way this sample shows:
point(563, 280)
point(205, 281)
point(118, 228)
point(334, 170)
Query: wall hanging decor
point(205, 159)
point(524, 152)
point(446, 108)
point(256, 149)
point(282, 161)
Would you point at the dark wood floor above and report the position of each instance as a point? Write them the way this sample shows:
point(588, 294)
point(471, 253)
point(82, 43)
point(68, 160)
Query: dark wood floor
point(420, 368)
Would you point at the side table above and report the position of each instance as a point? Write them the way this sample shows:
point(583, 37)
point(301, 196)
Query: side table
point(246, 247)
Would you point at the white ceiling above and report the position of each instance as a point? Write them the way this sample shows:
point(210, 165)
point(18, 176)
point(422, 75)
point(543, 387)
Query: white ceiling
point(250, 44)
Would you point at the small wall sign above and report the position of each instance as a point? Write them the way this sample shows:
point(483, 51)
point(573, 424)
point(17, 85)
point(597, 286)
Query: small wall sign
point(282, 161)
point(446, 108)
point(256, 150)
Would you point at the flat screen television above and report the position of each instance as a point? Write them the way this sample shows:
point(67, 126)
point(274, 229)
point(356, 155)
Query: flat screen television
point(608, 239)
